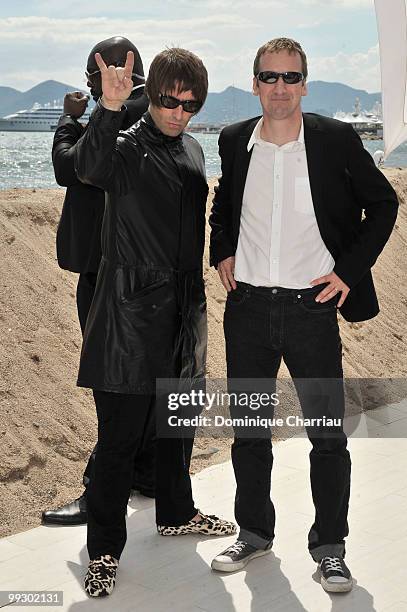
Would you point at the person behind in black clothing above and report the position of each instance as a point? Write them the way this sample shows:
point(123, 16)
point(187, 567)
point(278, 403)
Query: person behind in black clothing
point(147, 320)
point(78, 237)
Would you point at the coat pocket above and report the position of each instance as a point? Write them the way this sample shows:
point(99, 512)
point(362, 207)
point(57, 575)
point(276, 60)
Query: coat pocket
point(147, 294)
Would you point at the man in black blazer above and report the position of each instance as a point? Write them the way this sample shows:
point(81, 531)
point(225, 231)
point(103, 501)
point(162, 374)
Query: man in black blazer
point(299, 217)
point(78, 237)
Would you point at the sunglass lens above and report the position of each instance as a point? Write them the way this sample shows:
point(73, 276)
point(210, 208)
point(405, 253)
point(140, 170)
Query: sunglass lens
point(191, 106)
point(268, 77)
point(292, 77)
point(169, 101)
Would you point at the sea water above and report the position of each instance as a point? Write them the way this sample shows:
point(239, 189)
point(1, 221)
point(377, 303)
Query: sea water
point(25, 158)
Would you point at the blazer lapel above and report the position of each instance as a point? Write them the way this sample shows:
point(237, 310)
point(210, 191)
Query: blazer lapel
point(241, 166)
point(314, 146)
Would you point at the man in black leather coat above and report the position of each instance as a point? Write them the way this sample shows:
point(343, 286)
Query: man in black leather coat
point(78, 237)
point(148, 317)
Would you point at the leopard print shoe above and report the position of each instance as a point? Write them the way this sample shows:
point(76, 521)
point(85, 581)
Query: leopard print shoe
point(208, 525)
point(101, 576)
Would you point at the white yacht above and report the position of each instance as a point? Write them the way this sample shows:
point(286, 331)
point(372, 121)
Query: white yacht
point(40, 118)
point(360, 118)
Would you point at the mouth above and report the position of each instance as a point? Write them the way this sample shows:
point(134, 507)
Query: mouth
point(174, 126)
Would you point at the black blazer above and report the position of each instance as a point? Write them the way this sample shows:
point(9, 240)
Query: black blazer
point(79, 229)
point(345, 183)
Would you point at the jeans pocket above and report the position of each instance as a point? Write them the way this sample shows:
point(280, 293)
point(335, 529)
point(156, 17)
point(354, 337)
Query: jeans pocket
point(313, 307)
point(236, 297)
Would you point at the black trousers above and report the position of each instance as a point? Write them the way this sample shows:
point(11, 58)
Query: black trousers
point(262, 326)
point(143, 476)
point(121, 423)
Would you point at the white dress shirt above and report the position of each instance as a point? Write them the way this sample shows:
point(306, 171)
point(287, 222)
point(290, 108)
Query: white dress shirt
point(279, 240)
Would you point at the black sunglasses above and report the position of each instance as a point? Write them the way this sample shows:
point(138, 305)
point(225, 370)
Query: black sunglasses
point(89, 75)
point(189, 106)
point(291, 78)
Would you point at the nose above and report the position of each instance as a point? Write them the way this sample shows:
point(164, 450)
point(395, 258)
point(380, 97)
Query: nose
point(178, 112)
point(279, 84)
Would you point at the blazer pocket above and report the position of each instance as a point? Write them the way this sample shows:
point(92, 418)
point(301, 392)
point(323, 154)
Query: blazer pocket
point(302, 196)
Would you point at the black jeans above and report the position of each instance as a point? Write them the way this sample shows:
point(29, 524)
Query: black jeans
point(262, 326)
point(121, 423)
point(144, 466)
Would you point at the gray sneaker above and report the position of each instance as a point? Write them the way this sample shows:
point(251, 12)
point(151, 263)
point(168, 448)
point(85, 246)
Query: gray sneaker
point(335, 575)
point(237, 556)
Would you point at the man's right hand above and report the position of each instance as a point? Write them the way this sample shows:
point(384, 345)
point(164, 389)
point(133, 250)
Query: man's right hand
point(226, 269)
point(75, 104)
point(117, 83)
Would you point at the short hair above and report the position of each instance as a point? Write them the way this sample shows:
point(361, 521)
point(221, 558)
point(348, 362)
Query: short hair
point(176, 68)
point(281, 44)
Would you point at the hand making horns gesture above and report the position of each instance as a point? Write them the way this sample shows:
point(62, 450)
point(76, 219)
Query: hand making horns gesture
point(117, 83)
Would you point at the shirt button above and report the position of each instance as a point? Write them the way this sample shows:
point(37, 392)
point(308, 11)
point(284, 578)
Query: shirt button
point(274, 291)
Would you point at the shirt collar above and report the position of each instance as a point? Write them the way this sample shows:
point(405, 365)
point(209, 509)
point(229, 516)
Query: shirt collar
point(255, 138)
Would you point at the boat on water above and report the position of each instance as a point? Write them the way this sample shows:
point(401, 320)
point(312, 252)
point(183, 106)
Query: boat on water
point(362, 120)
point(39, 118)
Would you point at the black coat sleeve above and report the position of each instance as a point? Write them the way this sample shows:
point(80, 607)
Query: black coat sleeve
point(220, 219)
point(66, 136)
point(98, 155)
point(377, 199)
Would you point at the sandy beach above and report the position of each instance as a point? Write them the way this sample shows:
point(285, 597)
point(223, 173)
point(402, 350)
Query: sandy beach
point(48, 425)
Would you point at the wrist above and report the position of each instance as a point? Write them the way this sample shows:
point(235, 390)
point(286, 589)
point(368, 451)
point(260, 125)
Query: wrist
point(111, 105)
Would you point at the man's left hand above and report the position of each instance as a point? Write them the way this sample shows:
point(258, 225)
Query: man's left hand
point(335, 286)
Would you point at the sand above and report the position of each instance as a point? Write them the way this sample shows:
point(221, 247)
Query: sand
point(48, 425)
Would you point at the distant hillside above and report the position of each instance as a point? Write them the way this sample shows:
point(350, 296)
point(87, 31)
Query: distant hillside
point(327, 98)
point(12, 100)
point(230, 105)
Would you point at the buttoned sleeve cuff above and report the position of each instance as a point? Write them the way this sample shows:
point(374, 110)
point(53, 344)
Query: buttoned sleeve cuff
point(220, 252)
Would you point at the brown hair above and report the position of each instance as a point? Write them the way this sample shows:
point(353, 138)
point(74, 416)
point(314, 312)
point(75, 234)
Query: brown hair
point(176, 69)
point(281, 44)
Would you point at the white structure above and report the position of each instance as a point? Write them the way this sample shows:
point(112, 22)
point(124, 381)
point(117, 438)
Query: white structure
point(392, 27)
point(361, 119)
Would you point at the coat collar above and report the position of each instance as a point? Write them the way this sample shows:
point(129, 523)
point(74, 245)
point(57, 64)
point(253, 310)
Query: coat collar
point(154, 134)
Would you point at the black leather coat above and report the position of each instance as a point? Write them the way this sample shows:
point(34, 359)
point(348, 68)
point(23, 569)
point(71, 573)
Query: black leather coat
point(79, 229)
point(148, 316)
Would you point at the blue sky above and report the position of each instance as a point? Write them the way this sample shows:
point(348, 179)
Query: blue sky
point(48, 39)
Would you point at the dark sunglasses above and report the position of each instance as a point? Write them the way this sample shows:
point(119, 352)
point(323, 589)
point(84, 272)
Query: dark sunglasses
point(88, 75)
point(189, 106)
point(290, 78)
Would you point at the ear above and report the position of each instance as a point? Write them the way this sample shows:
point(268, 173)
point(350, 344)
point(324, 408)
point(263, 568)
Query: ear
point(304, 89)
point(255, 86)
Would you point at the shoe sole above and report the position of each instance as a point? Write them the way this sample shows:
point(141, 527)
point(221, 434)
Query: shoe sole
point(233, 567)
point(204, 533)
point(336, 587)
point(62, 522)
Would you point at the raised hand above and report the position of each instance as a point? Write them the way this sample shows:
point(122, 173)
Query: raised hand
point(117, 83)
point(75, 104)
